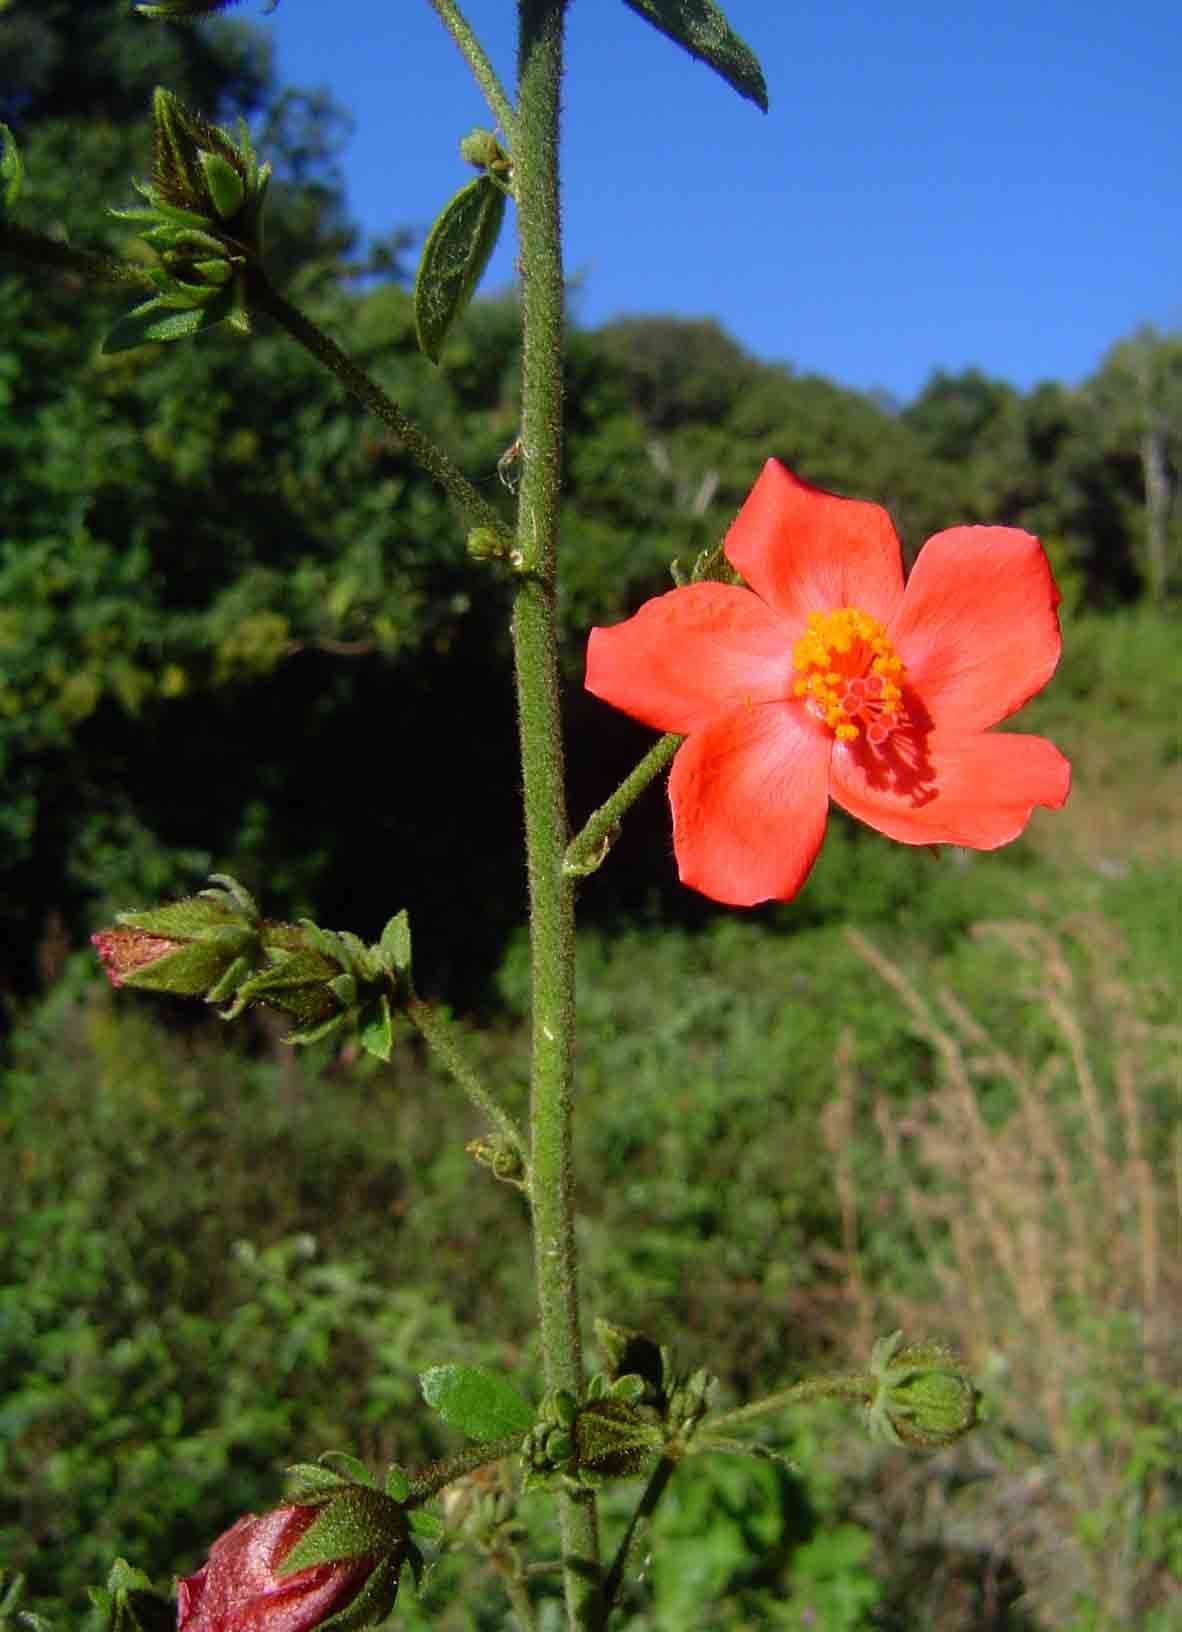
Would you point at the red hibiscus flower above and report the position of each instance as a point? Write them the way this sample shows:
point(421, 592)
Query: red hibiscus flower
point(827, 678)
point(239, 1587)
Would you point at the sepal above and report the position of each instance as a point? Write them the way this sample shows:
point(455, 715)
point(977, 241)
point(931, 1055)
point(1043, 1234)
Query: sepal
point(586, 1443)
point(354, 1522)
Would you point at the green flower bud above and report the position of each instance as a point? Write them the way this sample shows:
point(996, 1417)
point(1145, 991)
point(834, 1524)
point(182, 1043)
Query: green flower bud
point(613, 1440)
point(923, 1396)
point(481, 149)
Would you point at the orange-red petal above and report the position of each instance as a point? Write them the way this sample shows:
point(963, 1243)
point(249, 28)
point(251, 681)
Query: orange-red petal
point(977, 629)
point(750, 802)
point(977, 789)
point(803, 550)
point(689, 656)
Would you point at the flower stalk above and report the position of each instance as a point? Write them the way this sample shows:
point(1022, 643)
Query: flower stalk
point(446, 1041)
point(474, 54)
point(431, 458)
point(588, 849)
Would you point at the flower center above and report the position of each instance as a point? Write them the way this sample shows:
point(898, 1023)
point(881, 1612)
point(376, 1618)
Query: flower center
point(849, 675)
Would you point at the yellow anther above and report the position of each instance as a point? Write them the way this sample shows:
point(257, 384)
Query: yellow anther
point(849, 674)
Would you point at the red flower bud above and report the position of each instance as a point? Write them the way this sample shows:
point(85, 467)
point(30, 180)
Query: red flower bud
point(123, 951)
point(240, 1588)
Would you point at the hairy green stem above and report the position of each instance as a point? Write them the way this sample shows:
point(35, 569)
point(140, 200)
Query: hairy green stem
point(589, 848)
point(90, 264)
point(429, 1481)
point(839, 1385)
point(264, 297)
point(446, 1040)
point(626, 1551)
point(485, 74)
point(535, 159)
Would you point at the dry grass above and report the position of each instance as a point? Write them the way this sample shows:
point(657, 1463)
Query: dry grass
point(1042, 1183)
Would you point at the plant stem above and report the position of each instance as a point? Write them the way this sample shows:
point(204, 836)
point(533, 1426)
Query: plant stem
point(519, 1600)
point(589, 848)
point(446, 1040)
point(645, 1508)
point(87, 263)
point(844, 1385)
point(536, 656)
point(429, 1481)
point(460, 30)
point(264, 297)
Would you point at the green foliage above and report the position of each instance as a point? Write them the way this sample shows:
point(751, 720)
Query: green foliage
point(226, 600)
point(739, 1543)
point(169, 1342)
point(456, 251)
point(481, 1404)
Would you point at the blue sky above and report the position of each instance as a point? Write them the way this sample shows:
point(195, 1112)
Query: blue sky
point(935, 185)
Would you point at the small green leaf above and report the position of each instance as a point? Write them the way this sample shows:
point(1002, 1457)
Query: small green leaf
point(454, 258)
point(227, 190)
point(397, 1482)
point(482, 1404)
point(157, 320)
point(702, 29)
point(377, 1029)
point(395, 943)
point(428, 1526)
point(310, 1478)
point(355, 1470)
point(12, 169)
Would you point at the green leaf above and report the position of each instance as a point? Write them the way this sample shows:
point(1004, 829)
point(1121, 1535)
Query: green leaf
point(156, 320)
point(482, 1404)
point(310, 1478)
point(454, 258)
point(395, 943)
point(702, 29)
point(377, 1029)
point(355, 1469)
point(427, 1526)
point(11, 168)
point(226, 187)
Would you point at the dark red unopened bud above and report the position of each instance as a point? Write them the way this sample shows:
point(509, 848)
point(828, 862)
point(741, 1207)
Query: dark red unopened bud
point(123, 951)
point(242, 1588)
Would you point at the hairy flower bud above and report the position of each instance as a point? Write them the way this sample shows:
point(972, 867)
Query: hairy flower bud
point(300, 1566)
point(923, 1395)
point(199, 947)
point(204, 219)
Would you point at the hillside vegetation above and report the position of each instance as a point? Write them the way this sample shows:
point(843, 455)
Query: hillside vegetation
point(238, 632)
